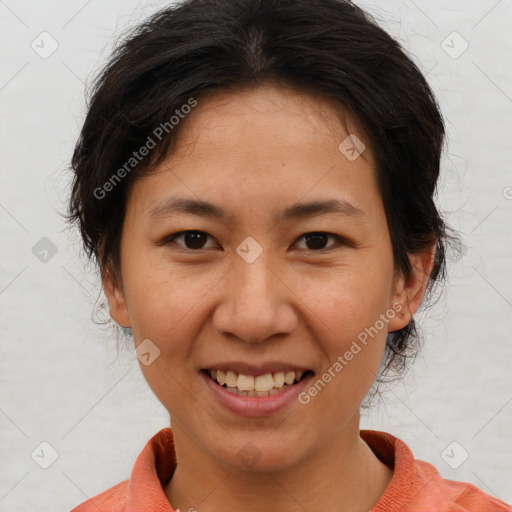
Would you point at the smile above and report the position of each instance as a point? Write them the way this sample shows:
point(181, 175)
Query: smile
point(268, 384)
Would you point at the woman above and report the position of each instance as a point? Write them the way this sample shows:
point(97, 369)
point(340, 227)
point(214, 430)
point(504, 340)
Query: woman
point(256, 181)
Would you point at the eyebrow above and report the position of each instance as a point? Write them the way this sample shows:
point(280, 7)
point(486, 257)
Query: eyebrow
point(174, 205)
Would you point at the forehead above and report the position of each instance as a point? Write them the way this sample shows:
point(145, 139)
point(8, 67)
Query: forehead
point(277, 116)
point(261, 146)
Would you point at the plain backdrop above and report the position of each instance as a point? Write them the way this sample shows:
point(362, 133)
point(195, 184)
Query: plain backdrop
point(61, 380)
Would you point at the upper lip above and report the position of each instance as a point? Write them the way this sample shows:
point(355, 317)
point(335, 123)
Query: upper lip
point(243, 368)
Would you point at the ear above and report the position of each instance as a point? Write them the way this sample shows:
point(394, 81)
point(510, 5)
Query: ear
point(408, 294)
point(116, 298)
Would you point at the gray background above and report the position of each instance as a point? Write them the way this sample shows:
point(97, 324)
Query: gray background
point(61, 380)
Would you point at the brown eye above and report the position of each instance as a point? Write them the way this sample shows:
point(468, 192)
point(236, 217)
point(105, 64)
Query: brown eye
point(316, 241)
point(194, 240)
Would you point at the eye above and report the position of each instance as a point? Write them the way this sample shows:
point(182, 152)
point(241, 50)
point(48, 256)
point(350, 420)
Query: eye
point(195, 240)
point(192, 239)
point(316, 240)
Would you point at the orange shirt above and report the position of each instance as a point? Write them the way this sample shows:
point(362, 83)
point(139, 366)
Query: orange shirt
point(416, 486)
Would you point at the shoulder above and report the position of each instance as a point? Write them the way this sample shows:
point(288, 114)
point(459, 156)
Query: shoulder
point(417, 485)
point(113, 500)
point(442, 494)
point(154, 466)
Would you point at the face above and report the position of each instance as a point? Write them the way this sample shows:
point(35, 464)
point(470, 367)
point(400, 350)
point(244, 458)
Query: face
point(266, 285)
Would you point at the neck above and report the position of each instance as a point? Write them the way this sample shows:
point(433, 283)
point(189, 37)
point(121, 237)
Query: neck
point(343, 475)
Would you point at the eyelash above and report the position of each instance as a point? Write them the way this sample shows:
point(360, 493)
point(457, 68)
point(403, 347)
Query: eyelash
point(171, 238)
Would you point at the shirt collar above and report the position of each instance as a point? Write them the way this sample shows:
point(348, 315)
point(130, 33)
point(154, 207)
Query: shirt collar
point(153, 468)
point(156, 463)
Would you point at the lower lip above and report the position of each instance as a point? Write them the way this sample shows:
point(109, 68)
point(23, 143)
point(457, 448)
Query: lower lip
point(256, 406)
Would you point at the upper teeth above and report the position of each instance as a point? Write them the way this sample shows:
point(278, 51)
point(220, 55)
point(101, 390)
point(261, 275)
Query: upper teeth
point(264, 382)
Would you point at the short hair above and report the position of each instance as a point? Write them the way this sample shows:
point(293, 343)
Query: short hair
point(328, 48)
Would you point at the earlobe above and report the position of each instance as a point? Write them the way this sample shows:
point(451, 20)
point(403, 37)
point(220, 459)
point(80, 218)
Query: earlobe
point(116, 299)
point(408, 294)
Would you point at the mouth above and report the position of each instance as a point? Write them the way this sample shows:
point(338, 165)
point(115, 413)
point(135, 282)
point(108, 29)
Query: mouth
point(260, 386)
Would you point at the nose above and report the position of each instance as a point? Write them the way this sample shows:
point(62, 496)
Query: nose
point(256, 303)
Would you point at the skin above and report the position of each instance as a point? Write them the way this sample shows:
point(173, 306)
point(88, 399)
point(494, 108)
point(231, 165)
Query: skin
point(255, 152)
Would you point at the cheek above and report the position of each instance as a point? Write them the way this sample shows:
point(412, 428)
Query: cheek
point(169, 302)
point(165, 299)
point(351, 333)
point(168, 308)
point(349, 299)
point(351, 312)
